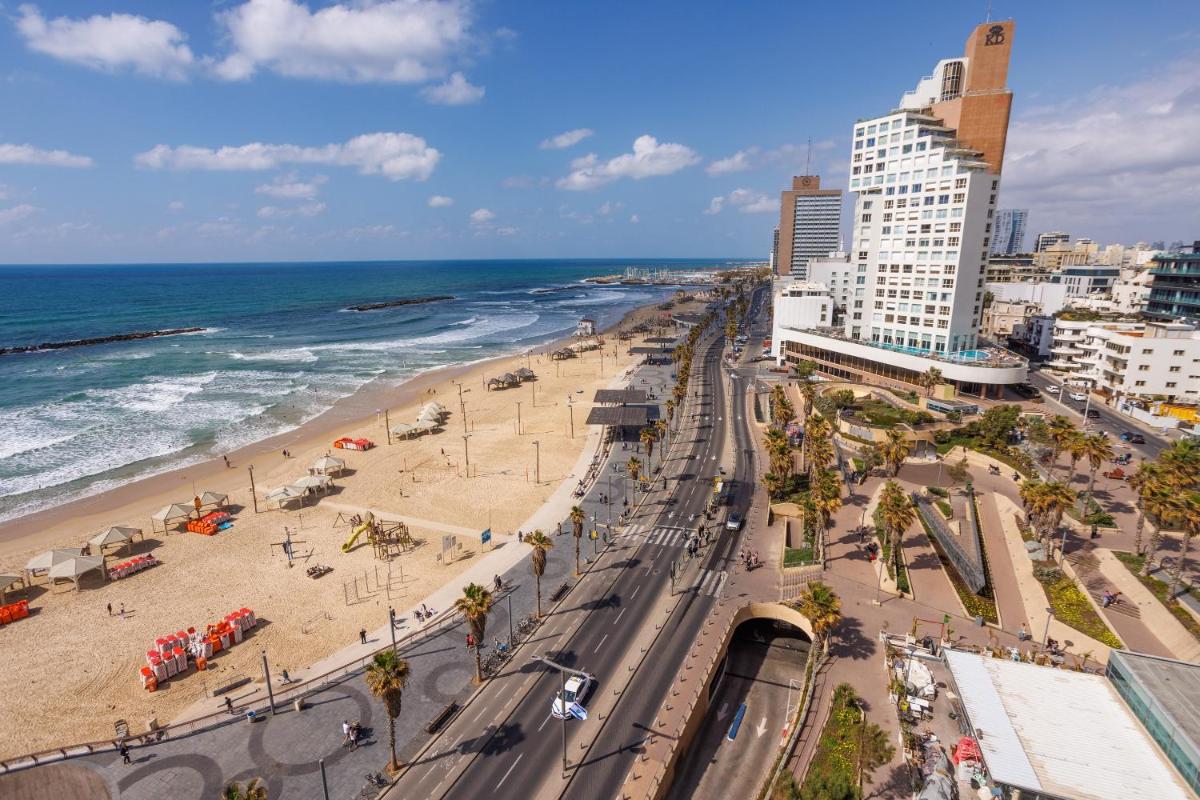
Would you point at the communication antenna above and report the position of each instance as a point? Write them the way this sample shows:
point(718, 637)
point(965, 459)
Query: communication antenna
point(988, 18)
point(808, 158)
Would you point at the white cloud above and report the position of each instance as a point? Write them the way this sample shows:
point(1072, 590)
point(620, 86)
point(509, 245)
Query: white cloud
point(398, 156)
point(456, 91)
point(175, 205)
point(440, 201)
point(738, 162)
point(482, 216)
point(567, 139)
point(649, 158)
point(28, 154)
point(609, 207)
point(634, 219)
point(109, 43)
point(745, 200)
point(403, 41)
point(507, 230)
point(289, 187)
point(9, 215)
point(305, 210)
point(1121, 162)
point(387, 231)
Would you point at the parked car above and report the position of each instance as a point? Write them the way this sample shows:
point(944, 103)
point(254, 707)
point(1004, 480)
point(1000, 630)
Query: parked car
point(1026, 391)
point(1137, 438)
point(1093, 414)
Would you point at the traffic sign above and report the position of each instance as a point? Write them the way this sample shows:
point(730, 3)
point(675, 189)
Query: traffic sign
point(486, 536)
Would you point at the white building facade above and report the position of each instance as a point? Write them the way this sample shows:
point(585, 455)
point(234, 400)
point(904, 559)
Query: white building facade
point(1132, 359)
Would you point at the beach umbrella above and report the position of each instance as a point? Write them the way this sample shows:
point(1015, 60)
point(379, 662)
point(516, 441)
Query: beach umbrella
point(327, 464)
point(429, 416)
point(75, 567)
point(117, 534)
point(213, 499)
point(46, 560)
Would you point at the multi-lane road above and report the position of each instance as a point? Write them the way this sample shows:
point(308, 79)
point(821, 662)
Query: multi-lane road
point(505, 743)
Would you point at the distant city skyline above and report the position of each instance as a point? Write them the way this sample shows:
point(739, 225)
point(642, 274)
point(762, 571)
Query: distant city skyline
point(281, 130)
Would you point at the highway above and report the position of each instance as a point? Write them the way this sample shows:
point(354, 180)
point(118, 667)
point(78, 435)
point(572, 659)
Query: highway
point(505, 743)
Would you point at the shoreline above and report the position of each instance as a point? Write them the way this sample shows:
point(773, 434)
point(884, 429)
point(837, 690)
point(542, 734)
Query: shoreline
point(352, 411)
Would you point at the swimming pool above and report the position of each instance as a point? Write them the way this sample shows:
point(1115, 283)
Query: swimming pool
point(962, 355)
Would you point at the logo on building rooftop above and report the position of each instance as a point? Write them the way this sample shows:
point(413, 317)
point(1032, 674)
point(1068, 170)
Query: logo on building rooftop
point(995, 35)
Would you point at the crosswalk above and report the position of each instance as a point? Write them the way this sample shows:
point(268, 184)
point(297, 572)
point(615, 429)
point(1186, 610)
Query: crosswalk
point(661, 535)
point(710, 582)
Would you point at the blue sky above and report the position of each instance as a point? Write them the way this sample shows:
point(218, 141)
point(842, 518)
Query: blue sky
point(424, 129)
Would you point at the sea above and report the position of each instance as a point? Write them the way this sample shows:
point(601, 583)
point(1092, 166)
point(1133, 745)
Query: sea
point(277, 347)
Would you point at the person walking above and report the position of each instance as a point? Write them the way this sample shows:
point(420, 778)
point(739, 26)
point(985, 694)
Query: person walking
point(122, 612)
point(110, 609)
point(124, 751)
point(362, 635)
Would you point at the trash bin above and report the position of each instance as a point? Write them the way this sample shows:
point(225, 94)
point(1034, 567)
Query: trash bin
point(250, 715)
point(979, 621)
point(298, 704)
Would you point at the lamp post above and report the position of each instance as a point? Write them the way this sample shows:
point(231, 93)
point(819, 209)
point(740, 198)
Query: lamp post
point(392, 626)
point(537, 462)
point(253, 493)
point(518, 418)
point(1046, 635)
point(562, 699)
point(267, 677)
point(511, 636)
point(467, 454)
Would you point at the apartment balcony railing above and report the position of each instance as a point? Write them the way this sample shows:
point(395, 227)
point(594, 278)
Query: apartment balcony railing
point(985, 355)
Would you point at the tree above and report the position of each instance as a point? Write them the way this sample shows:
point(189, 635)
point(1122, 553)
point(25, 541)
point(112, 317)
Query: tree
point(1096, 449)
point(541, 544)
point(897, 514)
point(774, 483)
point(823, 609)
point(930, 380)
point(670, 406)
point(809, 393)
point(634, 467)
point(1189, 514)
point(876, 750)
point(577, 518)
point(996, 425)
point(253, 789)
point(959, 472)
point(803, 370)
point(475, 605)
point(894, 449)
point(1076, 448)
point(649, 437)
point(1060, 429)
point(386, 677)
point(1046, 503)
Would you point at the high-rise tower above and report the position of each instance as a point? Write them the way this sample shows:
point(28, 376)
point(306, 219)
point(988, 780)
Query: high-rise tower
point(810, 222)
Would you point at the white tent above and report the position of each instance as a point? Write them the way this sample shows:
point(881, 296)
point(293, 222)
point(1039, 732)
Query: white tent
point(402, 429)
point(425, 427)
point(171, 513)
point(313, 482)
point(430, 416)
point(433, 406)
point(284, 494)
point(116, 535)
point(72, 569)
point(6, 582)
point(44, 561)
point(214, 499)
point(328, 465)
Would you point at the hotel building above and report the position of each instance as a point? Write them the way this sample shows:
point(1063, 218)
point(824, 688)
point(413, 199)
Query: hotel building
point(926, 176)
point(1008, 237)
point(810, 221)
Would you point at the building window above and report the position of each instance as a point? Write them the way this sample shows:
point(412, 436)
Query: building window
point(1174, 369)
point(1171, 384)
point(1139, 383)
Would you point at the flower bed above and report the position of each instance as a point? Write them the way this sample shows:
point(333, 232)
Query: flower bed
point(976, 605)
point(1159, 589)
point(1070, 604)
point(945, 508)
point(833, 770)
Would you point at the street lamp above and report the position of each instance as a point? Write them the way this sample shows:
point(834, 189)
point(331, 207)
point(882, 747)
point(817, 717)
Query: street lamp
point(1046, 635)
point(537, 462)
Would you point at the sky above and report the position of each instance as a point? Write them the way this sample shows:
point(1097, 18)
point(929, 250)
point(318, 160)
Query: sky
point(248, 130)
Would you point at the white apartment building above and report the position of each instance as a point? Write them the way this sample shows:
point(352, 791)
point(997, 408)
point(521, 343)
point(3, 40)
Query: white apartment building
point(1131, 359)
point(1052, 297)
point(926, 177)
point(836, 272)
point(798, 306)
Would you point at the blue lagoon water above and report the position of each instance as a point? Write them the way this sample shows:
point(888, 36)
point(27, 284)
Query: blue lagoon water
point(277, 349)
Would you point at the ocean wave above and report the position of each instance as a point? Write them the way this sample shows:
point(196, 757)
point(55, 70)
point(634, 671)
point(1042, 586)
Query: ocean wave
point(292, 354)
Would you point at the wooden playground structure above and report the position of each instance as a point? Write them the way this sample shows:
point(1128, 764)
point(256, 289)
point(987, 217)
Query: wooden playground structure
point(388, 539)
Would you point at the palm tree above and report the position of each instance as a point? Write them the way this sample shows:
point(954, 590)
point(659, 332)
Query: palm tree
point(648, 438)
point(1162, 503)
point(1047, 502)
point(1076, 447)
point(660, 433)
point(251, 790)
point(541, 544)
point(1189, 514)
point(1145, 482)
point(894, 450)
point(820, 455)
point(809, 393)
point(670, 406)
point(1096, 449)
point(897, 514)
point(475, 605)
point(577, 518)
point(827, 494)
point(823, 609)
point(634, 467)
point(774, 483)
point(386, 677)
point(930, 380)
point(1060, 430)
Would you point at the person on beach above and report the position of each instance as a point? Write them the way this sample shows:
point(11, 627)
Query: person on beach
point(122, 612)
point(362, 635)
point(227, 464)
point(229, 705)
point(110, 609)
point(124, 751)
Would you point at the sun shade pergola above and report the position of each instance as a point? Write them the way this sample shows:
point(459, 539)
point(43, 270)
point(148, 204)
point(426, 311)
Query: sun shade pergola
point(116, 535)
point(74, 568)
point(6, 582)
point(313, 482)
point(214, 499)
point(44, 561)
point(624, 416)
point(284, 494)
point(169, 514)
point(619, 396)
point(328, 465)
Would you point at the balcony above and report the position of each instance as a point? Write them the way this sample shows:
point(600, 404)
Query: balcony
point(1064, 365)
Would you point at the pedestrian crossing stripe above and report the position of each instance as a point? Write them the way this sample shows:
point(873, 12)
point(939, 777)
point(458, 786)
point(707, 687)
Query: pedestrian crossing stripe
point(661, 535)
point(710, 582)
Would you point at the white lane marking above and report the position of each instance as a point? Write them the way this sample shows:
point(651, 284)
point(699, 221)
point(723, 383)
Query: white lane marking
point(480, 714)
point(636, 589)
point(510, 769)
point(547, 719)
point(618, 619)
point(603, 639)
point(716, 592)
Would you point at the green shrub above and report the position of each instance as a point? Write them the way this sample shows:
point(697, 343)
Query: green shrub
point(938, 491)
point(945, 508)
point(1072, 607)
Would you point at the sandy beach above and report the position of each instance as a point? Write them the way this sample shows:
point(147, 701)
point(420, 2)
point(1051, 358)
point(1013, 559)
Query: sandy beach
point(79, 664)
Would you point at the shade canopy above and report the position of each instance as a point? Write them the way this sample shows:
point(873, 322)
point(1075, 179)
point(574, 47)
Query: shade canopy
point(72, 568)
point(312, 482)
point(48, 559)
point(429, 416)
point(425, 426)
point(173, 511)
point(403, 429)
point(117, 534)
point(433, 406)
point(213, 499)
point(7, 580)
point(284, 494)
point(525, 373)
point(328, 464)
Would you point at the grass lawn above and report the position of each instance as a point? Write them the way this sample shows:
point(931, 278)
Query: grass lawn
point(797, 556)
point(1159, 588)
point(882, 415)
point(945, 508)
point(1071, 606)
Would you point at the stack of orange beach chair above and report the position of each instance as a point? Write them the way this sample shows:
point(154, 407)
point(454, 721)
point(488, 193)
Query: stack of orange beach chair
point(209, 524)
point(171, 654)
point(14, 611)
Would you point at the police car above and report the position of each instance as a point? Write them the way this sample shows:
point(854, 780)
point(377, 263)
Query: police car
point(566, 703)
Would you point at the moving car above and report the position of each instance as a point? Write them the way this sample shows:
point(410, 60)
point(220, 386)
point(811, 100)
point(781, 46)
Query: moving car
point(1093, 414)
point(1078, 396)
point(575, 689)
point(1052, 389)
point(733, 522)
point(1137, 438)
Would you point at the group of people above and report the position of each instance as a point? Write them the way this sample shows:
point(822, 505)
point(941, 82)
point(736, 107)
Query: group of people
point(423, 613)
point(749, 559)
point(1108, 598)
point(350, 734)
